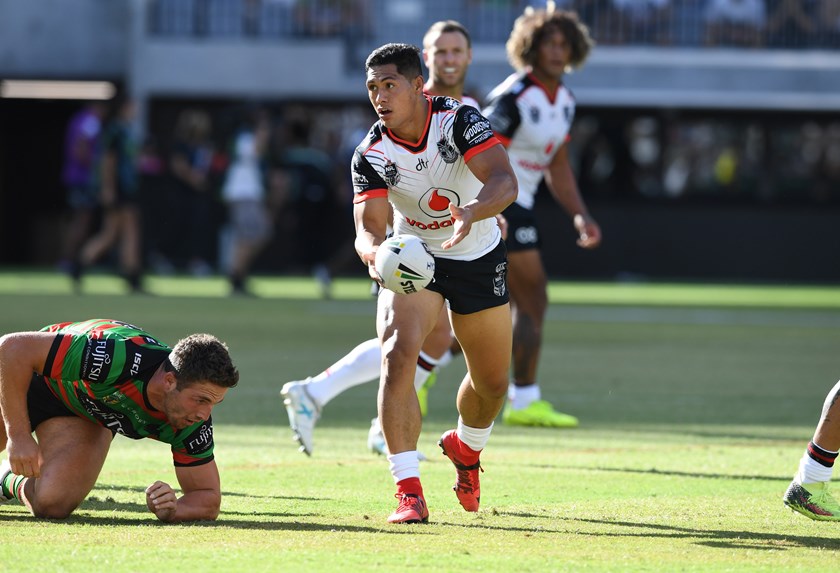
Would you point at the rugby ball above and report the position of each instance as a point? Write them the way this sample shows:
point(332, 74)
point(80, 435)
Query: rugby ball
point(405, 264)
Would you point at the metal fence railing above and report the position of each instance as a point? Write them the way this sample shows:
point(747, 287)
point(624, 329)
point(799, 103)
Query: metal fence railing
point(767, 24)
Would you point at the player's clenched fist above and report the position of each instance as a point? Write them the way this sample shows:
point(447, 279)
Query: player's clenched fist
point(161, 500)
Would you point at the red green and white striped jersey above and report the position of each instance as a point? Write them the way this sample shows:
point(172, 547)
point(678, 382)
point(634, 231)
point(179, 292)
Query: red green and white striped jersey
point(100, 370)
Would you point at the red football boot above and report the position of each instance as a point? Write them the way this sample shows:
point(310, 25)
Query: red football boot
point(466, 485)
point(412, 509)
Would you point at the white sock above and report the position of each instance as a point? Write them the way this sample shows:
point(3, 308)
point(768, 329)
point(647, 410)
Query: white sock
point(421, 374)
point(444, 360)
point(360, 365)
point(811, 471)
point(522, 396)
point(404, 465)
point(475, 438)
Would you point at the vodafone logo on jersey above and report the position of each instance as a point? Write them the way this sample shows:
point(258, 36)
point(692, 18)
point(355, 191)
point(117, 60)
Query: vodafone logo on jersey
point(435, 202)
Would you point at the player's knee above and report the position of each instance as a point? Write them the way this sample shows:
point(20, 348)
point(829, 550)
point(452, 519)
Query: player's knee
point(53, 509)
point(438, 342)
point(396, 350)
point(493, 389)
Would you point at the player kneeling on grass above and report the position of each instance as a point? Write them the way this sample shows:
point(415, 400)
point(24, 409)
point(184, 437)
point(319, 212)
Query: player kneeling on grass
point(77, 385)
point(808, 492)
point(437, 163)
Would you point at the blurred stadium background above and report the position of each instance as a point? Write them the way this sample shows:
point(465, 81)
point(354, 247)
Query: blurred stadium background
point(707, 138)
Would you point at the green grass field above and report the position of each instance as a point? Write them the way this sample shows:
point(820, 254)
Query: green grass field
point(696, 404)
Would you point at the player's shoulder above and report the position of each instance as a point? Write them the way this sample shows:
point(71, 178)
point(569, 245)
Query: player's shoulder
point(372, 137)
point(565, 92)
point(512, 86)
point(444, 104)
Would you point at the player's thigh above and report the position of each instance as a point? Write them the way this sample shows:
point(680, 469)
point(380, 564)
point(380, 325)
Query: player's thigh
point(73, 452)
point(526, 277)
point(439, 339)
point(409, 317)
point(486, 340)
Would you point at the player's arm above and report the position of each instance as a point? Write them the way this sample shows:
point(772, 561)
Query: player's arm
point(560, 180)
point(492, 167)
point(21, 354)
point(202, 497)
point(371, 217)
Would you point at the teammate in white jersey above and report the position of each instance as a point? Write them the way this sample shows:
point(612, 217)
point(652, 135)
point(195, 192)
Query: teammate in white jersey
point(531, 113)
point(447, 52)
point(437, 164)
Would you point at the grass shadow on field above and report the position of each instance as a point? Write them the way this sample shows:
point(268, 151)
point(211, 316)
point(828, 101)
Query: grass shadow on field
point(718, 538)
point(715, 538)
point(657, 472)
point(292, 523)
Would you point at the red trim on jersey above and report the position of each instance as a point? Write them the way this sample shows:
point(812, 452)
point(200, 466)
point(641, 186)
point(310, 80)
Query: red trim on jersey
point(65, 399)
point(60, 355)
point(133, 393)
point(425, 131)
point(503, 140)
point(479, 148)
point(551, 96)
point(185, 460)
point(369, 194)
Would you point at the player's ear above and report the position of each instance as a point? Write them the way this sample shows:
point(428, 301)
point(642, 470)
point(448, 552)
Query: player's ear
point(419, 82)
point(170, 381)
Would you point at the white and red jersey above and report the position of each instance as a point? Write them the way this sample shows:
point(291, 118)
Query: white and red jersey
point(422, 178)
point(533, 124)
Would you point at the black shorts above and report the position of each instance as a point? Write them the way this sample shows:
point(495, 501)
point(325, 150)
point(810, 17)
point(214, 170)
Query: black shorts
point(471, 286)
point(42, 403)
point(522, 229)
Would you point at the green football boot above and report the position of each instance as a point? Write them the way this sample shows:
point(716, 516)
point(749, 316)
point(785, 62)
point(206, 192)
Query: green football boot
point(538, 413)
point(812, 500)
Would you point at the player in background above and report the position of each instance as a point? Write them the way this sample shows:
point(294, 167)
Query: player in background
point(447, 53)
point(531, 113)
point(437, 167)
point(77, 385)
point(808, 492)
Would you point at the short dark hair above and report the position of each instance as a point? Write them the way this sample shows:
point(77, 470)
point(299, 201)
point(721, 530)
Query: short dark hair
point(531, 28)
point(199, 358)
point(405, 56)
point(445, 26)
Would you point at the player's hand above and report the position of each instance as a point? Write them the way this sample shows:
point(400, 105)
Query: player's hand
point(462, 226)
point(24, 456)
point(374, 275)
point(589, 233)
point(161, 500)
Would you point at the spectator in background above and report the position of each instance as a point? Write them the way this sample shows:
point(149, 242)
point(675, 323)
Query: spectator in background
point(244, 193)
point(190, 163)
point(828, 19)
point(118, 186)
point(79, 178)
point(310, 176)
point(791, 23)
point(151, 170)
point(735, 22)
point(322, 18)
point(641, 21)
